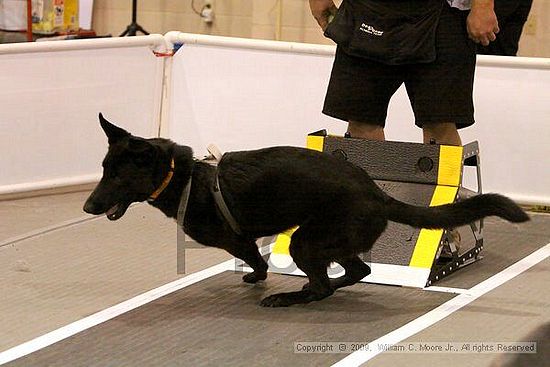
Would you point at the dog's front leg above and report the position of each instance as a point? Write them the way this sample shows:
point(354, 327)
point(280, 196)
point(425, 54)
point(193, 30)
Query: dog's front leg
point(248, 252)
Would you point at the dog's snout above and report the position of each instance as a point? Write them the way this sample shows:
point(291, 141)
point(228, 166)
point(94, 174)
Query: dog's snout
point(90, 207)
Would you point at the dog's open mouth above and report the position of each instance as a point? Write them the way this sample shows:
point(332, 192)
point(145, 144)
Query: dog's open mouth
point(117, 211)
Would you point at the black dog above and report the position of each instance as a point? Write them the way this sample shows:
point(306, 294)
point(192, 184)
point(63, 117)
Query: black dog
point(339, 209)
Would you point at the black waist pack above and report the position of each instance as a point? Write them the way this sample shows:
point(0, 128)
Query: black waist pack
point(392, 32)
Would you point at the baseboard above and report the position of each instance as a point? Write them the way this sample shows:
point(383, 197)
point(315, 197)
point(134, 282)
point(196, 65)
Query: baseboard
point(49, 191)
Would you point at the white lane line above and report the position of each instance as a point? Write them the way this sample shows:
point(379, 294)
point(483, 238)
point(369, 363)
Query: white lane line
point(446, 309)
point(111, 312)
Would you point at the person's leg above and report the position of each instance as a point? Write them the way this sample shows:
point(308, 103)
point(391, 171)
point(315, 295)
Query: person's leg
point(441, 92)
point(366, 131)
point(359, 92)
point(444, 133)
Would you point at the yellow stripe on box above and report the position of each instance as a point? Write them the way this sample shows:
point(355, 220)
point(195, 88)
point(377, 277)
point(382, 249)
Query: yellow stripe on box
point(282, 243)
point(444, 195)
point(429, 239)
point(450, 165)
point(315, 142)
point(426, 247)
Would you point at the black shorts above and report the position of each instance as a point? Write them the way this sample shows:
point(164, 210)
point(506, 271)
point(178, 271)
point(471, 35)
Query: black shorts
point(441, 91)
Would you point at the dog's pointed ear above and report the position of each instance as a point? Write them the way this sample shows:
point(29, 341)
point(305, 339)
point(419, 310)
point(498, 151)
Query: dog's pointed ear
point(114, 133)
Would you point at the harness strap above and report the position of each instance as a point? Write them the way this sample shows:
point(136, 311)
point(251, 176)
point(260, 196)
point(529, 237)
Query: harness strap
point(184, 200)
point(216, 192)
point(222, 206)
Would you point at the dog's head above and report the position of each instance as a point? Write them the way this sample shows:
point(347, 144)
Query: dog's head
point(128, 173)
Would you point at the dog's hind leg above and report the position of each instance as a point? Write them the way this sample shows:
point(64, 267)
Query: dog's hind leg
point(355, 269)
point(360, 236)
point(316, 270)
point(248, 252)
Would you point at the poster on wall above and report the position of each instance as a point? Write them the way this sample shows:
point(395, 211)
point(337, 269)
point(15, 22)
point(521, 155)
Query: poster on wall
point(48, 16)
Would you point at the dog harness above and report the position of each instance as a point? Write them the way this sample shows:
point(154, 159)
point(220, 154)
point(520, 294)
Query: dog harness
point(216, 193)
point(184, 200)
point(218, 199)
point(215, 157)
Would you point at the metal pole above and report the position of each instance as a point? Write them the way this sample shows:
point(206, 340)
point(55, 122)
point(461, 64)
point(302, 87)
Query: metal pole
point(29, 20)
point(134, 11)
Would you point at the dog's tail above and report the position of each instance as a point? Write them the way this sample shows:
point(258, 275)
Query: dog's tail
point(457, 214)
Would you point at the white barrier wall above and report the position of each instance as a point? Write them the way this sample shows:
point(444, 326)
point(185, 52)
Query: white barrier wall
point(50, 98)
point(513, 127)
point(243, 94)
point(240, 98)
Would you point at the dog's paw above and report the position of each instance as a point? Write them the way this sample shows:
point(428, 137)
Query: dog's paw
point(275, 300)
point(254, 277)
point(292, 298)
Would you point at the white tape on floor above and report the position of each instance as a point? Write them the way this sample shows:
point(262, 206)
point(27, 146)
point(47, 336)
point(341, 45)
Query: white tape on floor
point(111, 312)
point(446, 309)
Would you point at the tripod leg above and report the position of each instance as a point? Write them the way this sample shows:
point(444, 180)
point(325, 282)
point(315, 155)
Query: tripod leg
point(139, 28)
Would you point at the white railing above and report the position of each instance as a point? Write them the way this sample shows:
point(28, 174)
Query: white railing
point(156, 42)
